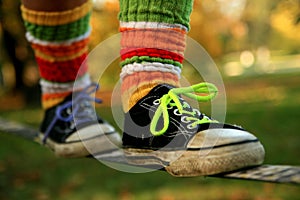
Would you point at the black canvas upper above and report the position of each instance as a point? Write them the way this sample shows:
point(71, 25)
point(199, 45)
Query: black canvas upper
point(137, 124)
point(63, 128)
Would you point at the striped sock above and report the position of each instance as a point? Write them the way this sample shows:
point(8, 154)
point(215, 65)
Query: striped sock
point(60, 43)
point(152, 45)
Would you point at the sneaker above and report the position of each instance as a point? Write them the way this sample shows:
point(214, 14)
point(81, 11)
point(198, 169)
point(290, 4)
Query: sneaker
point(162, 129)
point(72, 129)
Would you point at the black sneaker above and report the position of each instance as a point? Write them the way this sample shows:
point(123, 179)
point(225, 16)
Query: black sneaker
point(163, 130)
point(72, 129)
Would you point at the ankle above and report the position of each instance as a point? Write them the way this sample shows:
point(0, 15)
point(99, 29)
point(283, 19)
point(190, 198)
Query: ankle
point(137, 85)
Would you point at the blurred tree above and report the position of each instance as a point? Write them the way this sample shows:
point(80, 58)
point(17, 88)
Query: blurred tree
point(14, 43)
point(20, 87)
point(285, 18)
point(105, 23)
point(224, 26)
point(221, 26)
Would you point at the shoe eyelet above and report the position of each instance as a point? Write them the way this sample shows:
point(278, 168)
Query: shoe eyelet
point(184, 120)
point(69, 111)
point(191, 126)
point(72, 125)
point(186, 105)
point(176, 112)
point(197, 112)
point(156, 102)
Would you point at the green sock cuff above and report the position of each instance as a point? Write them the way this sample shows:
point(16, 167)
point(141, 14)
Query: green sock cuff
point(167, 11)
point(59, 32)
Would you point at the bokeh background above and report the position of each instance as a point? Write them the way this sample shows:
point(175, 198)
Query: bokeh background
point(256, 46)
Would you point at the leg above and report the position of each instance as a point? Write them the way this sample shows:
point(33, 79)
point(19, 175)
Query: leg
point(59, 33)
point(160, 127)
point(52, 6)
point(153, 41)
point(58, 48)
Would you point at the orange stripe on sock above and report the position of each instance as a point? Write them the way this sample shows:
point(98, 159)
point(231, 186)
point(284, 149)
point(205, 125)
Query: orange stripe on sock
point(52, 99)
point(137, 85)
point(51, 102)
point(62, 58)
point(61, 50)
point(46, 97)
point(165, 39)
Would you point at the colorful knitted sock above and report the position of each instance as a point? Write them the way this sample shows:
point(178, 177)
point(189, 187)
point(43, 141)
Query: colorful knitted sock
point(152, 45)
point(59, 41)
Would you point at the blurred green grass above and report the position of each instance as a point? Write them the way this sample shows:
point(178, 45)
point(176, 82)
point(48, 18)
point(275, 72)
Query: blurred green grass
point(267, 106)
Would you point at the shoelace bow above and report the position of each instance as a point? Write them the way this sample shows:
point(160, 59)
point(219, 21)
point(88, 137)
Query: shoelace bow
point(171, 99)
point(75, 105)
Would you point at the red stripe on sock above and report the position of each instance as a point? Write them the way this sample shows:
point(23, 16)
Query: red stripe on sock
point(159, 53)
point(65, 71)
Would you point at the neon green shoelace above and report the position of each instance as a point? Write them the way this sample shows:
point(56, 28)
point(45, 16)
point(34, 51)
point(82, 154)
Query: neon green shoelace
point(171, 99)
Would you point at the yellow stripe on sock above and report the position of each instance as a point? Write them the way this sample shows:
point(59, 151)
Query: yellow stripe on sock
point(56, 18)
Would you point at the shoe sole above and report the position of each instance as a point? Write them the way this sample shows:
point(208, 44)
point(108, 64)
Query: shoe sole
point(87, 141)
point(203, 161)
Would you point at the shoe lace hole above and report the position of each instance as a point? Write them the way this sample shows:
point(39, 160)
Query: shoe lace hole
point(186, 105)
point(185, 120)
point(156, 102)
point(191, 126)
point(176, 112)
point(69, 111)
point(197, 112)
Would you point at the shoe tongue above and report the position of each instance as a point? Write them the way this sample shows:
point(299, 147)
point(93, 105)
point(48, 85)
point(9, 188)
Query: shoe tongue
point(161, 89)
point(71, 96)
point(68, 98)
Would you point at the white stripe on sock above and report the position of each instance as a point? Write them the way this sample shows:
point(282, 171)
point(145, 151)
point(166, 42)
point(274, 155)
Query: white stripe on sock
point(54, 87)
point(151, 25)
point(149, 67)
